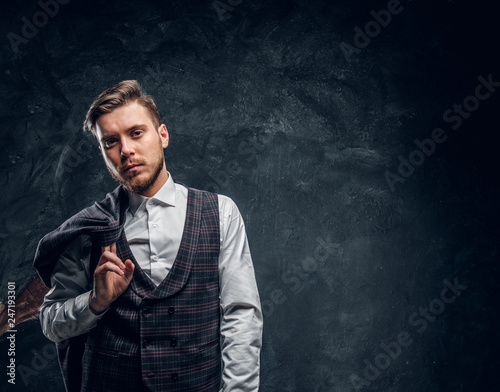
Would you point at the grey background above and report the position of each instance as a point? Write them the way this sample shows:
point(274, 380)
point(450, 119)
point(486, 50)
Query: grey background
point(262, 105)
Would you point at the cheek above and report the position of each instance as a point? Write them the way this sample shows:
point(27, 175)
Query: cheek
point(110, 159)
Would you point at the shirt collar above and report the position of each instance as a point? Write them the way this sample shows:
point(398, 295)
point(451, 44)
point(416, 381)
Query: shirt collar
point(165, 196)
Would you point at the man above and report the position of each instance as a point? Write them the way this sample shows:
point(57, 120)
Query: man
point(153, 287)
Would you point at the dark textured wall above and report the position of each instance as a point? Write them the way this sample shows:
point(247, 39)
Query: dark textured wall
point(286, 108)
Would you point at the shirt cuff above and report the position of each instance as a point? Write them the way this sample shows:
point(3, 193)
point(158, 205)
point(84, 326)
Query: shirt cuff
point(82, 307)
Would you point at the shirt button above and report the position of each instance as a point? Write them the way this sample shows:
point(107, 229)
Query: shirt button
point(174, 376)
point(154, 225)
point(171, 310)
point(154, 258)
point(173, 342)
point(146, 343)
point(151, 202)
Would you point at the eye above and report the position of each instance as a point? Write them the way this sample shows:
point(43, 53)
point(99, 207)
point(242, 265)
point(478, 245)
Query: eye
point(137, 132)
point(110, 142)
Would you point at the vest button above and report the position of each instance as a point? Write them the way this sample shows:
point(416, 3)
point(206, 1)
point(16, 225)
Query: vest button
point(146, 343)
point(174, 377)
point(171, 310)
point(146, 313)
point(173, 342)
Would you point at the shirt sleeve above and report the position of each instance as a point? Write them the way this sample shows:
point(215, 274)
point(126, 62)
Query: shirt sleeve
point(241, 324)
point(65, 311)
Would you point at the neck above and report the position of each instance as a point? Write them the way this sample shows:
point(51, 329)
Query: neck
point(160, 181)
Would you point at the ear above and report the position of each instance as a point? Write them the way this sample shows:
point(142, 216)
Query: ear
point(163, 132)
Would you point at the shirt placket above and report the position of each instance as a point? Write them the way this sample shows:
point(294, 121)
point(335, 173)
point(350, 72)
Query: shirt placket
point(153, 229)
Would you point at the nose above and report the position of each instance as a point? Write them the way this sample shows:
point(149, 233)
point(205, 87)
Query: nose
point(126, 148)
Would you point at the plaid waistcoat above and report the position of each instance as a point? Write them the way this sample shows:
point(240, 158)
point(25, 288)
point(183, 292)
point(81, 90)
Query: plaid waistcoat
point(166, 337)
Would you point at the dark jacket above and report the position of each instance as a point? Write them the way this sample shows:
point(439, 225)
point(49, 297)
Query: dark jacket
point(158, 338)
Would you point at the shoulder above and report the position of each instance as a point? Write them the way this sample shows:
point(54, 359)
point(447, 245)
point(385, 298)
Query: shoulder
point(78, 249)
point(227, 205)
point(228, 210)
point(208, 197)
point(230, 216)
point(101, 210)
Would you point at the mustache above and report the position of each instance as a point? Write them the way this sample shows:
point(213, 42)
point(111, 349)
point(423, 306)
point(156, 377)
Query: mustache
point(125, 165)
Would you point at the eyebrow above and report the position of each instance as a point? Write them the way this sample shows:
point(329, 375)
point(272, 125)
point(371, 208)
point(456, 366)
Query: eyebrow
point(133, 127)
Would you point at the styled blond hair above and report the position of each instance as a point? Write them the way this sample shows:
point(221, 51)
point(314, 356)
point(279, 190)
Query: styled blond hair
point(116, 96)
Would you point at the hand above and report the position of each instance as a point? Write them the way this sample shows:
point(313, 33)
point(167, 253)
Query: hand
point(111, 279)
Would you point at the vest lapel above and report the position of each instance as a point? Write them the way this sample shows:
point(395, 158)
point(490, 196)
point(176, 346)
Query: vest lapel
point(140, 283)
point(178, 275)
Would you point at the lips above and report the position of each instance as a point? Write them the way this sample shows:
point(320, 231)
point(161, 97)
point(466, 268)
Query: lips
point(132, 167)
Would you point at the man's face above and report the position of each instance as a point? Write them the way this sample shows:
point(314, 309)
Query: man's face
point(133, 148)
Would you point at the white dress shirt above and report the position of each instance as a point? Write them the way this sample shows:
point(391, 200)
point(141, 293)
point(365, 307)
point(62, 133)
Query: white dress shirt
point(153, 228)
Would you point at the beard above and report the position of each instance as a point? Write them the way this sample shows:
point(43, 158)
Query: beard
point(140, 186)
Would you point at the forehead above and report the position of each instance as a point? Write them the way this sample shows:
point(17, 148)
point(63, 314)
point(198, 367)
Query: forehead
point(122, 118)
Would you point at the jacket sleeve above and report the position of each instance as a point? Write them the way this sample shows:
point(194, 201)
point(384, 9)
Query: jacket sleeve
point(241, 324)
point(65, 311)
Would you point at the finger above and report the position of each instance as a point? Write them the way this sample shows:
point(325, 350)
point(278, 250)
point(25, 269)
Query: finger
point(108, 267)
point(129, 269)
point(108, 256)
point(129, 266)
point(109, 248)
